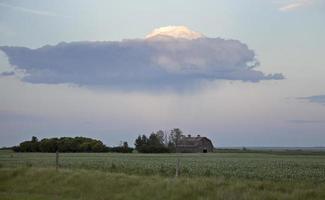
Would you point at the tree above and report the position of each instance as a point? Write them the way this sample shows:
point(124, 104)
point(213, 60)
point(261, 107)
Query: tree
point(48, 145)
point(162, 137)
point(97, 146)
point(25, 146)
point(29, 146)
point(175, 135)
point(34, 139)
point(85, 147)
point(153, 144)
point(154, 140)
point(125, 145)
point(140, 142)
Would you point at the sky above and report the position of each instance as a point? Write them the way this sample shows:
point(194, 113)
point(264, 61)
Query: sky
point(246, 73)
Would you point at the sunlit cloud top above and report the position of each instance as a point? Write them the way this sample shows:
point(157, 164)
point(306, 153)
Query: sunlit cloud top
point(33, 11)
point(175, 32)
point(295, 5)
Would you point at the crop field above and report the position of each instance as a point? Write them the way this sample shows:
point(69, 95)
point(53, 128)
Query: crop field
point(254, 166)
point(228, 176)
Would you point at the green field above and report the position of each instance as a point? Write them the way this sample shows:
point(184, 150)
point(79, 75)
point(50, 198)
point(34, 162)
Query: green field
point(257, 166)
point(151, 176)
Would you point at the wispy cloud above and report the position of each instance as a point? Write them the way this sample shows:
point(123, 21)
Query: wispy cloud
point(320, 99)
point(33, 11)
point(294, 5)
point(7, 73)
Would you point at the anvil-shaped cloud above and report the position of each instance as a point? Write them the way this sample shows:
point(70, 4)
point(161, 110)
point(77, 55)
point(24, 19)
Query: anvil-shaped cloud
point(168, 57)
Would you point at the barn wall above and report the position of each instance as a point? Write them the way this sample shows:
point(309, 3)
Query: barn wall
point(198, 148)
point(207, 144)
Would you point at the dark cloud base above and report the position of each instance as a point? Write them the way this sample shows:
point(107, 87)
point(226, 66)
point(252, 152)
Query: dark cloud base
point(138, 64)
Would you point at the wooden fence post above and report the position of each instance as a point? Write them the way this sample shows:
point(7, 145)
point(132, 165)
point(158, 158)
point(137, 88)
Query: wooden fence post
point(177, 167)
point(57, 160)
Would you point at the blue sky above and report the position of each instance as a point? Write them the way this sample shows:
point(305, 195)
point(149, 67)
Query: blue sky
point(286, 36)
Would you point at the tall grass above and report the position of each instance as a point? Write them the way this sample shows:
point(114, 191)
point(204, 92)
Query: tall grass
point(66, 184)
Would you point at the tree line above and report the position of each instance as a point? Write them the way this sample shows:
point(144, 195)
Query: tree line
point(69, 144)
point(158, 142)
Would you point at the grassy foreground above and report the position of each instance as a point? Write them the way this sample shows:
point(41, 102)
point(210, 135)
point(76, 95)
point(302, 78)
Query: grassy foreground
point(30, 183)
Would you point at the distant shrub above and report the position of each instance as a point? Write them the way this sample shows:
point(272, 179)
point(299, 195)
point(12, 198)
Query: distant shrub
point(120, 149)
point(16, 148)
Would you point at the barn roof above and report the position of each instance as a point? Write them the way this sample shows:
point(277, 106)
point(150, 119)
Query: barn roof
point(191, 141)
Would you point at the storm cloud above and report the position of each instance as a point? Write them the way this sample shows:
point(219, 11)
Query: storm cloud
point(139, 63)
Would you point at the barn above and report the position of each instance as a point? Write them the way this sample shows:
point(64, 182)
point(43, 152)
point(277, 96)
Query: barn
point(198, 144)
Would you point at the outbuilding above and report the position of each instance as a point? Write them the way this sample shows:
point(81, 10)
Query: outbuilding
point(198, 144)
